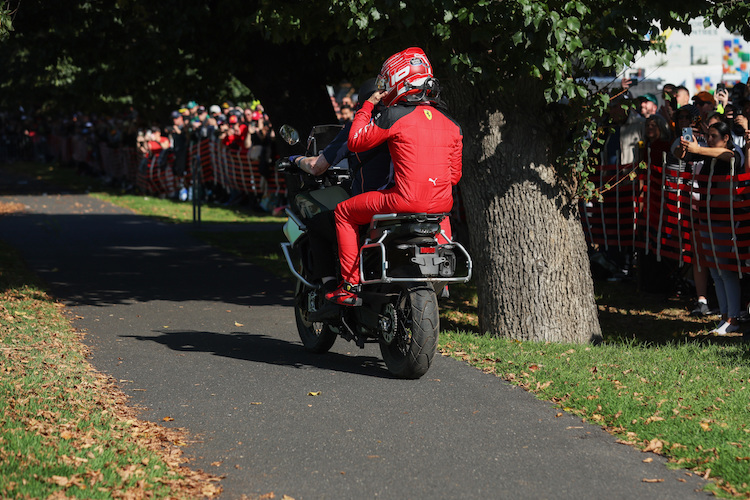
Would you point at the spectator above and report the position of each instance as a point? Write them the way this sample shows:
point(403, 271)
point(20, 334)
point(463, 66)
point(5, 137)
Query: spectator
point(706, 104)
point(719, 147)
point(153, 142)
point(682, 96)
point(632, 132)
point(669, 95)
point(647, 105)
point(347, 115)
point(688, 116)
point(658, 139)
point(178, 138)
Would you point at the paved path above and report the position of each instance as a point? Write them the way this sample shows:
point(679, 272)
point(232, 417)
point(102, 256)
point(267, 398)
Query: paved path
point(198, 336)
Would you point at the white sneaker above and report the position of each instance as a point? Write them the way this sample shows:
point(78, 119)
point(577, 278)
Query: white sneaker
point(725, 328)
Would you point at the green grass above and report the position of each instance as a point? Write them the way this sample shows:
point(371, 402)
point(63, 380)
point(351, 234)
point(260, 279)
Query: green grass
point(182, 212)
point(64, 428)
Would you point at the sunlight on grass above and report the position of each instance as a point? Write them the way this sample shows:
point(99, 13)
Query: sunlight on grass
point(181, 212)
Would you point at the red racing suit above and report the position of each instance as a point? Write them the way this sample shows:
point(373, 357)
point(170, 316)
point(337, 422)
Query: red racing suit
point(426, 147)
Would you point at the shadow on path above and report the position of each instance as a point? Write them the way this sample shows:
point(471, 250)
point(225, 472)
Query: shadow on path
point(264, 349)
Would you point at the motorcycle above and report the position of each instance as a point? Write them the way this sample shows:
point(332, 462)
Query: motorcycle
point(403, 267)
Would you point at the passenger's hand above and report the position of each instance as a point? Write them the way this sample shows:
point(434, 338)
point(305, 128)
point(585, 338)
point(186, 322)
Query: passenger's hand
point(376, 96)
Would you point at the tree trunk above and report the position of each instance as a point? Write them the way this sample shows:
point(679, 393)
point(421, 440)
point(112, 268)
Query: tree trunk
point(531, 267)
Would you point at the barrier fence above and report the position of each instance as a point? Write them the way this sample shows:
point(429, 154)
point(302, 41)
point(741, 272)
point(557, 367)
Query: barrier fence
point(208, 161)
point(672, 213)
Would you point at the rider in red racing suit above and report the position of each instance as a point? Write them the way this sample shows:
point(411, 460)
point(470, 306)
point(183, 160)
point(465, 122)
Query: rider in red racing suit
point(426, 147)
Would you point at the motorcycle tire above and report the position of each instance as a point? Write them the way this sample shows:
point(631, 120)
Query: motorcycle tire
point(316, 337)
point(409, 355)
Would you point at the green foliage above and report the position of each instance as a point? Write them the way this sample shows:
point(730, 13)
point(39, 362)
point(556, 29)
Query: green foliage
point(6, 19)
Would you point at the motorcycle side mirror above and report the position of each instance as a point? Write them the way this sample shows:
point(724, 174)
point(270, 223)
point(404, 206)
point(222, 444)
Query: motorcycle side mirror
point(289, 134)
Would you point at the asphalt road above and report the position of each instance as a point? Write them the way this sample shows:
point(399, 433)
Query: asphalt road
point(196, 335)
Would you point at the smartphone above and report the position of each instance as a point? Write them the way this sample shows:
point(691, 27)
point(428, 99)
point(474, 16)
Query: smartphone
point(721, 86)
point(687, 134)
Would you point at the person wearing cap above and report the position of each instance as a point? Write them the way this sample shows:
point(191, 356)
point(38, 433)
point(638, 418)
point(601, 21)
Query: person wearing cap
point(178, 138)
point(178, 121)
point(648, 105)
point(214, 110)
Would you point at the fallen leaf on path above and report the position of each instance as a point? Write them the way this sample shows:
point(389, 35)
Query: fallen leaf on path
point(654, 445)
point(317, 393)
point(648, 460)
point(646, 480)
point(238, 324)
point(167, 419)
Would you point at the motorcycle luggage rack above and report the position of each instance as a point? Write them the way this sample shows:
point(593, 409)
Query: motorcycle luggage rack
point(379, 245)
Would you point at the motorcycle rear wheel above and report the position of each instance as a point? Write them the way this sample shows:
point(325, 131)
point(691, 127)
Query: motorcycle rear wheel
point(410, 353)
point(317, 337)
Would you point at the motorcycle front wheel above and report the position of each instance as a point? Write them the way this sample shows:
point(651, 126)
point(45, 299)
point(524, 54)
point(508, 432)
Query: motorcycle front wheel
point(411, 349)
point(316, 336)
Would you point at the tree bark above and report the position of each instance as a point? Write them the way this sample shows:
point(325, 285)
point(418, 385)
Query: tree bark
point(531, 266)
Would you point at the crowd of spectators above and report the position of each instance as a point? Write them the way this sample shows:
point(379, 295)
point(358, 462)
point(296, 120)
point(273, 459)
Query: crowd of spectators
point(246, 128)
point(686, 134)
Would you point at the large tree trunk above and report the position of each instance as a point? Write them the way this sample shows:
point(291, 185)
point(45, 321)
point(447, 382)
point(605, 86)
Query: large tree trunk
point(531, 267)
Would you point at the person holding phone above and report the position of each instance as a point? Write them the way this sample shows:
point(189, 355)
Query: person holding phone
point(720, 151)
point(687, 117)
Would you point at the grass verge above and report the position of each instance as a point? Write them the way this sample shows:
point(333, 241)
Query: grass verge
point(65, 429)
